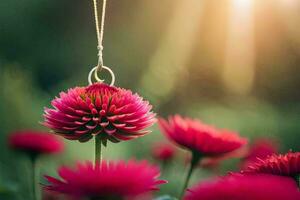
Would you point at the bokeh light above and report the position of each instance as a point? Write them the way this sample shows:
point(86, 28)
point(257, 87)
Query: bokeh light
point(239, 67)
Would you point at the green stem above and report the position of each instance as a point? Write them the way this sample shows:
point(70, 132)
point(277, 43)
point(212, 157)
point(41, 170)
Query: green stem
point(297, 179)
point(195, 160)
point(98, 154)
point(34, 177)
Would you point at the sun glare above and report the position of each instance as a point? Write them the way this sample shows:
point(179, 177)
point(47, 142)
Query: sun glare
point(242, 4)
point(238, 74)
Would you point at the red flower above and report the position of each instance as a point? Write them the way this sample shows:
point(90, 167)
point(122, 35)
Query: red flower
point(163, 151)
point(35, 142)
point(111, 180)
point(285, 165)
point(245, 187)
point(196, 136)
point(261, 149)
point(113, 112)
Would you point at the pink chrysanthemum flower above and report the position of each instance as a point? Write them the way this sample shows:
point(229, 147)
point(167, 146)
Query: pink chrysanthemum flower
point(261, 149)
point(284, 165)
point(35, 142)
point(199, 137)
point(245, 187)
point(110, 180)
point(163, 151)
point(114, 113)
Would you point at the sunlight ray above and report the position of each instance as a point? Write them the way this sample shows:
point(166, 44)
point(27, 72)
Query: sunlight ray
point(239, 66)
point(171, 57)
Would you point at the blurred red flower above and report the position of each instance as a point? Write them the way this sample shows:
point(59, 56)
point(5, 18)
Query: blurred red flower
point(245, 187)
point(113, 112)
point(199, 137)
point(284, 165)
point(110, 180)
point(163, 151)
point(35, 142)
point(261, 149)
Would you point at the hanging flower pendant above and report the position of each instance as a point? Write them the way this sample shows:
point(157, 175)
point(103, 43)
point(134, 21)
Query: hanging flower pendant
point(115, 113)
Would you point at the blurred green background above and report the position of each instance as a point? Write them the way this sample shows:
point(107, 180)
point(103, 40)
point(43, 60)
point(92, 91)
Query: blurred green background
point(232, 63)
